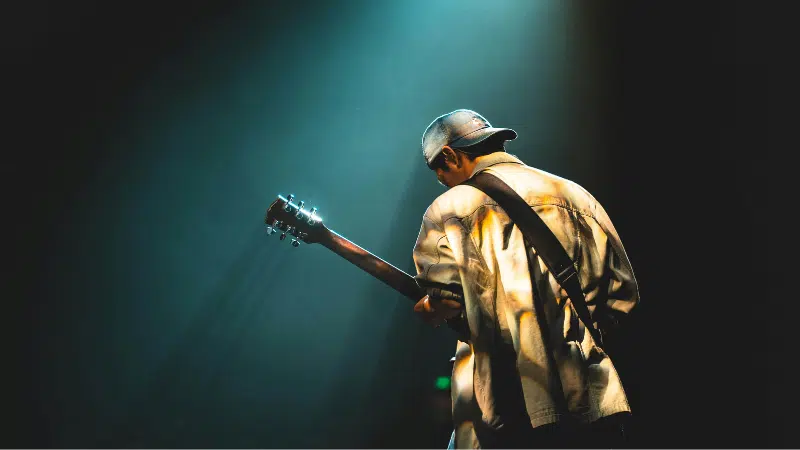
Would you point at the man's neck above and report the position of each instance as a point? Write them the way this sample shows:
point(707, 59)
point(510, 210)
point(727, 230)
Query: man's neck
point(469, 166)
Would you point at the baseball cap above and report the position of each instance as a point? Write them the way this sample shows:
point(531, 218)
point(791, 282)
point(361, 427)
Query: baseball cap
point(460, 128)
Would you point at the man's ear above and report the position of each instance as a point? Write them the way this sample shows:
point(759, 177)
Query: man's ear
point(450, 156)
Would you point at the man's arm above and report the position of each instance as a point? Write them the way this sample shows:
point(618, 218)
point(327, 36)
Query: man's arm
point(623, 290)
point(437, 273)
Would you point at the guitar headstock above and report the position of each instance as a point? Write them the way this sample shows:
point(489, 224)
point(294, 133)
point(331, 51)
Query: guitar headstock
point(293, 219)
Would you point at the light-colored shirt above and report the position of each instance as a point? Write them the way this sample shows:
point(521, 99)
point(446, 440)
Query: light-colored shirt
point(468, 244)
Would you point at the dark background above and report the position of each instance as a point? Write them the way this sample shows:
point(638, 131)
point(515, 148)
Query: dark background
point(146, 308)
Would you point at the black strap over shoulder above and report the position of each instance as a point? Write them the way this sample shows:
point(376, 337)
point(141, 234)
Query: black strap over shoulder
point(542, 239)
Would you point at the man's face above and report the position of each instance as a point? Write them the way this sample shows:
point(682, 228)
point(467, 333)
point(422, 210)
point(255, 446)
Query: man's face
point(450, 169)
point(446, 177)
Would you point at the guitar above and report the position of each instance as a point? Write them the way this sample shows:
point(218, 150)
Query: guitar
point(292, 219)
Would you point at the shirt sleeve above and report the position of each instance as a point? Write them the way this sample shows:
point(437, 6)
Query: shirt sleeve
point(623, 290)
point(437, 271)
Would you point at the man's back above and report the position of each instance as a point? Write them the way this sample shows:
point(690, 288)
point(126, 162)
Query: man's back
point(468, 244)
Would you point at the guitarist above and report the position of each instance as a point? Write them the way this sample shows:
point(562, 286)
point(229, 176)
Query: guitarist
point(526, 373)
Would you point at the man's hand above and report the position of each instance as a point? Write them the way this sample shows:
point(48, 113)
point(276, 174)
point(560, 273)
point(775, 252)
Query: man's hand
point(435, 311)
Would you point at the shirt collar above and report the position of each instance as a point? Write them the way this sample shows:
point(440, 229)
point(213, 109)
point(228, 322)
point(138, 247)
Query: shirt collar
point(495, 158)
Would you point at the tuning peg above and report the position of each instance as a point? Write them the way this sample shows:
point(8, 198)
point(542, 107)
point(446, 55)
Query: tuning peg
point(300, 210)
point(289, 230)
point(288, 206)
point(311, 219)
point(272, 228)
point(295, 243)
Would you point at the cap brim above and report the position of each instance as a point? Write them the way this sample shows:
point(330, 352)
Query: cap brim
point(481, 135)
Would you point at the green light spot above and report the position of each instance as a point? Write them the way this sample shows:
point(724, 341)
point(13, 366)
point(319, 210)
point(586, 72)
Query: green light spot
point(443, 383)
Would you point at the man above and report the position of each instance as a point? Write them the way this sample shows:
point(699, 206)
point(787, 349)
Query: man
point(520, 379)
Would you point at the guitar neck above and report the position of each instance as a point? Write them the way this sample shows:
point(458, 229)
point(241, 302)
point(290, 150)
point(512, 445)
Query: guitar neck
point(382, 270)
point(373, 265)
